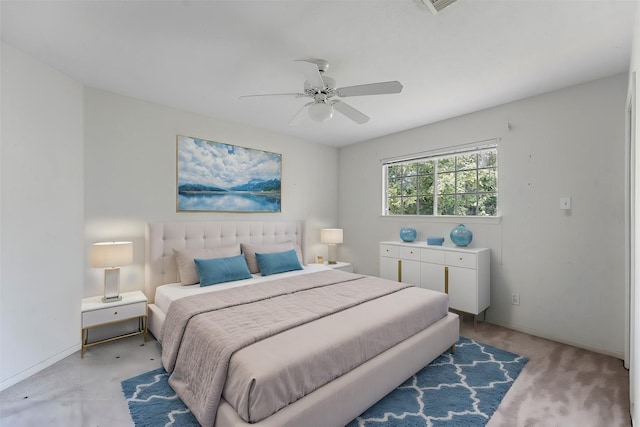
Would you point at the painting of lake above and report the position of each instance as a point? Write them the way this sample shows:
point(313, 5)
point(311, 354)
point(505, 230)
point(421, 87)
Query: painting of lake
point(212, 176)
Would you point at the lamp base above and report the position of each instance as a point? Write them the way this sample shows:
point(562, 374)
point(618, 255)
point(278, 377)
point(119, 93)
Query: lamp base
point(111, 285)
point(331, 258)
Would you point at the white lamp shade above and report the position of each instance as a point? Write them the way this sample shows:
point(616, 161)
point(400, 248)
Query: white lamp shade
point(331, 235)
point(320, 112)
point(111, 254)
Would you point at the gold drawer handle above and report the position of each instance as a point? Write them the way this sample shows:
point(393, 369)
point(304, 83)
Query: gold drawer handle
point(115, 313)
point(460, 258)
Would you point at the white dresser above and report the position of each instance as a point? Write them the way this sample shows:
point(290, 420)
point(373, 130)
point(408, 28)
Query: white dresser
point(462, 273)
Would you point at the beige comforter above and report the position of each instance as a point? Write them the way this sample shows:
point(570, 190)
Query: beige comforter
point(202, 333)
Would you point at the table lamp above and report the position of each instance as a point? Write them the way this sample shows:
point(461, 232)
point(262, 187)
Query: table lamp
point(332, 237)
point(110, 256)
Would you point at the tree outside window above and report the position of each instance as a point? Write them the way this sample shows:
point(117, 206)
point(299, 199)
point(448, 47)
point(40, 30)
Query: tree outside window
point(464, 184)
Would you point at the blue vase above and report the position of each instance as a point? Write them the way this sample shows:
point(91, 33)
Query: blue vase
point(461, 235)
point(408, 234)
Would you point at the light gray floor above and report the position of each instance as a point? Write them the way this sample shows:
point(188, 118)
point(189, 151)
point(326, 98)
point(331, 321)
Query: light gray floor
point(561, 385)
point(81, 392)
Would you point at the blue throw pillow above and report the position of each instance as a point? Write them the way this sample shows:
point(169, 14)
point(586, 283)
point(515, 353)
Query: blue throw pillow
point(219, 270)
point(278, 262)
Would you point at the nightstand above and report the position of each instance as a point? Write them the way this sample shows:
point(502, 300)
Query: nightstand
point(344, 266)
point(97, 313)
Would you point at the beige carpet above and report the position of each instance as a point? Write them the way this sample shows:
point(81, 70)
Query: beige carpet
point(560, 385)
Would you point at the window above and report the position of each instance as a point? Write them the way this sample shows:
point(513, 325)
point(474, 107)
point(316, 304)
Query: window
point(461, 183)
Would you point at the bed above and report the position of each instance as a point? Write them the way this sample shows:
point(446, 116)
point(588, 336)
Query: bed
point(312, 372)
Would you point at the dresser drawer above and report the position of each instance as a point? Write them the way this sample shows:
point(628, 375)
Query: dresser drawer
point(113, 314)
point(461, 259)
point(409, 253)
point(390, 251)
point(432, 256)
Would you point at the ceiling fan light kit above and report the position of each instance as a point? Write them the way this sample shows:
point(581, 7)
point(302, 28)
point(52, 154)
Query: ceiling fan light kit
point(322, 88)
point(320, 111)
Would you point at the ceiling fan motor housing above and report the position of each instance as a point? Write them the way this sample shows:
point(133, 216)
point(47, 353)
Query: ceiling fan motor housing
point(328, 89)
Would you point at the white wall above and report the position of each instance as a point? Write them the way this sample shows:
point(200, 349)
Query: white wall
point(633, 96)
point(42, 216)
point(80, 165)
point(567, 267)
point(130, 175)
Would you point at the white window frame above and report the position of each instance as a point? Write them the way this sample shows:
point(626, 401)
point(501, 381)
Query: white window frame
point(434, 155)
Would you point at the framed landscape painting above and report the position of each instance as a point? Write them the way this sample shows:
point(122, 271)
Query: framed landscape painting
point(216, 177)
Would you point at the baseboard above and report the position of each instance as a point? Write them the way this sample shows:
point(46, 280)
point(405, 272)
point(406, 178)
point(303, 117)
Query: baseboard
point(39, 367)
point(606, 352)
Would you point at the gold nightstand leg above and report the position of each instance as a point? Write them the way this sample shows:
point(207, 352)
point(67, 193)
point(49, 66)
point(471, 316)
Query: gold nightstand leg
point(142, 326)
point(84, 336)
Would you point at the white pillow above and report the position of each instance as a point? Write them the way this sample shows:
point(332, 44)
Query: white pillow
point(249, 250)
point(187, 266)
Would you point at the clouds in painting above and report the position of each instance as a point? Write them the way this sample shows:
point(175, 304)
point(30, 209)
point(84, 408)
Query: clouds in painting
point(222, 165)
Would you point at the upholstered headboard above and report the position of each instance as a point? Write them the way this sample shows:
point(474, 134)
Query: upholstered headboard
point(163, 237)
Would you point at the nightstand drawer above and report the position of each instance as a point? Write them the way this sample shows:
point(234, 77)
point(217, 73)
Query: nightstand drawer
point(113, 314)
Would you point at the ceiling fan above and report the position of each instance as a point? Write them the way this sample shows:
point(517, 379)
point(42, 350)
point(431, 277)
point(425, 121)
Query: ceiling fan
point(321, 89)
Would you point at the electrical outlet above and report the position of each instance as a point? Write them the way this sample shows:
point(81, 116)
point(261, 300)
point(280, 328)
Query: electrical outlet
point(515, 299)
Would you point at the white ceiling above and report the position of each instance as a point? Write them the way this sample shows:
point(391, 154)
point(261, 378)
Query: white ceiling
point(200, 56)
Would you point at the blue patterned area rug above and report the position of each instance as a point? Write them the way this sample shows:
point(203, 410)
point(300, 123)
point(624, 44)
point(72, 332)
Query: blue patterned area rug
point(461, 389)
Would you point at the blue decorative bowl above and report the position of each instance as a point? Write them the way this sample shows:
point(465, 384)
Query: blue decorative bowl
point(435, 241)
point(461, 235)
point(408, 234)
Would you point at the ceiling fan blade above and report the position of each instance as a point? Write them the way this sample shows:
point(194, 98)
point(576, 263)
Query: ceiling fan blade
point(311, 72)
point(297, 118)
point(350, 112)
point(370, 89)
point(295, 95)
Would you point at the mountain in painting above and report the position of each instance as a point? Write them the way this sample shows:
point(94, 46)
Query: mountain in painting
point(258, 185)
point(192, 188)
